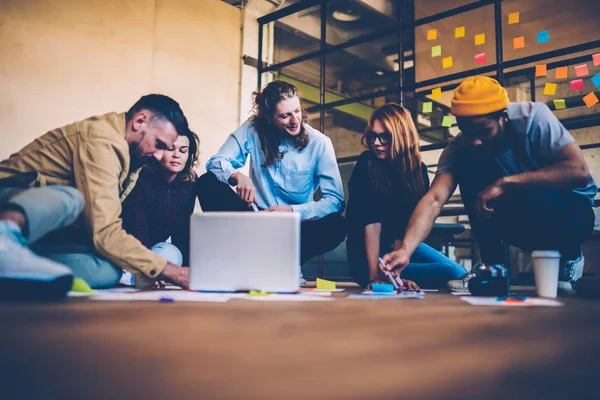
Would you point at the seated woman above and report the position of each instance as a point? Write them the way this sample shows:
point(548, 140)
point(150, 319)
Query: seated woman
point(387, 182)
point(289, 160)
point(163, 199)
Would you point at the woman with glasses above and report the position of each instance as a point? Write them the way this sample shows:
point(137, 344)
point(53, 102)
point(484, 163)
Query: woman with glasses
point(387, 182)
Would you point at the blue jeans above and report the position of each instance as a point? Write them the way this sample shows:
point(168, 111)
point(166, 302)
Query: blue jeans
point(431, 269)
point(428, 267)
point(48, 210)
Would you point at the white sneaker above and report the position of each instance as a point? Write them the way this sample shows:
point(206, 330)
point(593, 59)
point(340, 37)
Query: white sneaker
point(302, 281)
point(25, 275)
point(570, 272)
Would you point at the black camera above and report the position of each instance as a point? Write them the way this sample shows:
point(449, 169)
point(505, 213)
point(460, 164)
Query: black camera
point(489, 280)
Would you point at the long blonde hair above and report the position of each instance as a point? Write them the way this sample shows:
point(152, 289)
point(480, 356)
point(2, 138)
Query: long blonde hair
point(404, 168)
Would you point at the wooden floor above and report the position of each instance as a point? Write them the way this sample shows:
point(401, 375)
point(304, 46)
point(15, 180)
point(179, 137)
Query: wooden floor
point(436, 348)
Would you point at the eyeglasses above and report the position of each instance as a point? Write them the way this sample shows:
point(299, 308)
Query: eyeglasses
point(384, 138)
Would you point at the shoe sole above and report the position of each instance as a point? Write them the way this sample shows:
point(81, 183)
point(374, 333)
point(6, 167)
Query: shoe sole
point(35, 290)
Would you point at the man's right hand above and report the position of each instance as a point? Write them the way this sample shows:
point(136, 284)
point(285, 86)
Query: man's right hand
point(244, 188)
point(179, 276)
point(395, 261)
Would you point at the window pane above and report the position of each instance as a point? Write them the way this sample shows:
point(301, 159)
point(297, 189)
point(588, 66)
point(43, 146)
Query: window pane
point(350, 19)
point(426, 8)
point(431, 55)
point(567, 23)
point(295, 35)
point(362, 69)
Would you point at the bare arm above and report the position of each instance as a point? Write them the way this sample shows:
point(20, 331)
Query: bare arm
point(570, 171)
point(421, 221)
point(372, 247)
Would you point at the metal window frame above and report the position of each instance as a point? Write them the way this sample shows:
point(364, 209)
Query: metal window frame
point(403, 25)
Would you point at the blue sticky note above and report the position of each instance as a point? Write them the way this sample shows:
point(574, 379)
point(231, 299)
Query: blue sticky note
point(543, 37)
point(596, 79)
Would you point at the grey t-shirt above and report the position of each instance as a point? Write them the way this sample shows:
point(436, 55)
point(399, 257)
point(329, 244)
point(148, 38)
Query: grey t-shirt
point(538, 137)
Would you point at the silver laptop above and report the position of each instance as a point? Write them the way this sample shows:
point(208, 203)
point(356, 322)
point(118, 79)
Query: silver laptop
point(238, 251)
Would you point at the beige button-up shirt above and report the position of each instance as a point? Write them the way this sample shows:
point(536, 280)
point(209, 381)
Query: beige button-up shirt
point(92, 156)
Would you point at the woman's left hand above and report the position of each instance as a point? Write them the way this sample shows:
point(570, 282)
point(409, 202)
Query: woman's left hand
point(279, 209)
point(410, 285)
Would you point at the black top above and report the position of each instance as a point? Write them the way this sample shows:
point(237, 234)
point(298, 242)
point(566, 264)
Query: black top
point(366, 205)
point(155, 210)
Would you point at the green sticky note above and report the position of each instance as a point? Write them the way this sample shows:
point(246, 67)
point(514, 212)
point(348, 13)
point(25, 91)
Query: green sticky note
point(257, 293)
point(427, 107)
point(559, 104)
point(436, 51)
point(325, 284)
point(81, 286)
point(447, 121)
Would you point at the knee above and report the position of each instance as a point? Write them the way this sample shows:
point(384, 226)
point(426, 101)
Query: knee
point(73, 200)
point(207, 179)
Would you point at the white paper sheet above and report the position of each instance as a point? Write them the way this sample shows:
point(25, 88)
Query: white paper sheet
point(368, 294)
point(287, 297)
point(161, 295)
point(526, 302)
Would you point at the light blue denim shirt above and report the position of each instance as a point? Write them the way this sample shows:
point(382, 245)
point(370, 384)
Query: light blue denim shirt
point(291, 181)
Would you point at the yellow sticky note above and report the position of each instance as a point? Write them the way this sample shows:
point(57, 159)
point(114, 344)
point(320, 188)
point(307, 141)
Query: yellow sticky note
point(447, 121)
point(550, 89)
point(436, 51)
point(447, 62)
point(559, 104)
point(540, 70)
point(325, 284)
point(81, 286)
point(519, 42)
point(590, 99)
point(432, 34)
point(436, 93)
point(427, 107)
point(513, 18)
point(562, 72)
point(479, 39)
point(257, 293)
point(459, 32)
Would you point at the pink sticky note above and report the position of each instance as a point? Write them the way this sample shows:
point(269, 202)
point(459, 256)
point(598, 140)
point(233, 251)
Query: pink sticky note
point(596, 58)
point(481, 58)
point(577, 84)
point(581, 70)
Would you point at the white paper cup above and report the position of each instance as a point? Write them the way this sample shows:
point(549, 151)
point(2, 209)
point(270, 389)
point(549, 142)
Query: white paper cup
point(545, 269)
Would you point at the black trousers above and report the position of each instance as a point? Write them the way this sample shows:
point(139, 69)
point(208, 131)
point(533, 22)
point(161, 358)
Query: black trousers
point(316, 236)
point(528, 218)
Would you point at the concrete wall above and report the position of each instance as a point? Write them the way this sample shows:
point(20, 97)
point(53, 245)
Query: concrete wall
point(64, 60)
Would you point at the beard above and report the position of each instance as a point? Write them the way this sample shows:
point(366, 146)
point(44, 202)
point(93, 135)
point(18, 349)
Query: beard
point(137, 159)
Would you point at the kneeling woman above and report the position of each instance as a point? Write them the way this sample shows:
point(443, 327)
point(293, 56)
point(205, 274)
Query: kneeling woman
point(289, 160)
point(163, 200)
point(386, 184)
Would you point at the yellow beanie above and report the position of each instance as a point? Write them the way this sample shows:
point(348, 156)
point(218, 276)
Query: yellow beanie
point(478, 95)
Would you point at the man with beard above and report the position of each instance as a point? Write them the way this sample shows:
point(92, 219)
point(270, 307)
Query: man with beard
point(523, 181)
point(89, 166)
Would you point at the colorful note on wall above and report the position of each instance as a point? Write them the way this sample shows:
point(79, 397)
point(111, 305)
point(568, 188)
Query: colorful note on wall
point(543, 37)
point(590, 99)
point(513, 18)
point(448, 121)
point(577, 84)
point(519, 42)
point(436, 51)
point(596, 59)
point(427, 107)
point(481, 58)
point(581, 70)
point(596, 79)
point(559, 104)
point(447, 62)
point(550, 89)
point(436, 93)
point(432, 34)
point(479, 39)
point(562, 72)
point(540, 70)
point(459, 32)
